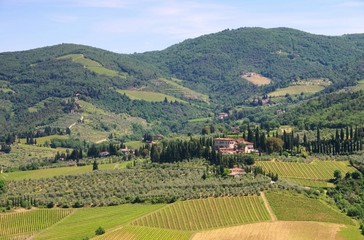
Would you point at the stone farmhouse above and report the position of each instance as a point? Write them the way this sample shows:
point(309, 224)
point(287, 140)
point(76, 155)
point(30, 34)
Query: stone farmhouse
point(233, 146)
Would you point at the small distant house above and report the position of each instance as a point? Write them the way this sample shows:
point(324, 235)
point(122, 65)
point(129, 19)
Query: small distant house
point(158, 137)
point(104, 154)
point(236, 172)
point(125, 150)
point(223, 115)
point(235, 129)
point(249, 74)
point(228, 143)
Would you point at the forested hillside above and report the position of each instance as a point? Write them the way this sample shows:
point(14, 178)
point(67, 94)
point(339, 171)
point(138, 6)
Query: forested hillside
point(38, 87)
point(282, 54)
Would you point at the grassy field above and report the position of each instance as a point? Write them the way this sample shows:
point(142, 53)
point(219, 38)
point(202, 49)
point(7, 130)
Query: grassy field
point(42, 140)
point(173, 86)
point(200, 119)
point(83, 222)
point(134, 144)
point(258, 80)
point(93, 65)
point(29, 222)
point(360, 85)
point(300, 208)
point(280, 230)
point(296, 90)
point(6, 90)
point(52, 172)
point(316, 170)
point(147, 233)
point(148, 96)
point(207, 213)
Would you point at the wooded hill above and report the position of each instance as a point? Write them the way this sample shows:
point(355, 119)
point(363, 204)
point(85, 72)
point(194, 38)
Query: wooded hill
point(46, 79)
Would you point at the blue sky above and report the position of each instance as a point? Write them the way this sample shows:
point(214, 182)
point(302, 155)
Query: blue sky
point(128, 26)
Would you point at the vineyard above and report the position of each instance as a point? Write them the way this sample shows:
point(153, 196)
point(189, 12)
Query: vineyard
point(206, 218)
point(83, 222)
point(288, 207)
point(316, 170)
point(27, 223)
point(207, 213)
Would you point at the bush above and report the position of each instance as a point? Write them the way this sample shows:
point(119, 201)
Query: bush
point(100, 231)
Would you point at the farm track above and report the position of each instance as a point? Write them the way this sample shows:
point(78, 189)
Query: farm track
point(267, 206)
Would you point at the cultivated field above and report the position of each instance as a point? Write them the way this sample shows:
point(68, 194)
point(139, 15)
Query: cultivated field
point(296, 90)
point(280, 230)
point(207, 213)
point(177, 89)
point(246, 217)
point(52, 172)
point(316, 170)
point(29, 222)
point(83, 222)
point(257, 79)
point(148, 96)
point(93, 65)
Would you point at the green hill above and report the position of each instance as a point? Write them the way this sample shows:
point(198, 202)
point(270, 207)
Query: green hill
point(205, 73)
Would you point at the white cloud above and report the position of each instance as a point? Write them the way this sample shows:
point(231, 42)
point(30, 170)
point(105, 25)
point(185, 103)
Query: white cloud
point(174, 19)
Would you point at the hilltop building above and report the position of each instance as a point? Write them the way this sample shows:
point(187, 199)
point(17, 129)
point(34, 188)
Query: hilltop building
point(233, 146)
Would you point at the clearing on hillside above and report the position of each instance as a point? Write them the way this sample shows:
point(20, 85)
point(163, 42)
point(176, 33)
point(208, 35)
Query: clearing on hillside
point(289, 207)
point(256, 78)
point(98, 124)
point(148, 96)
point(360, 85)
point(296, 90)
point(201, 214)
point(93, 65)
point(280, 230)
point(173, 86)
point(29, 222)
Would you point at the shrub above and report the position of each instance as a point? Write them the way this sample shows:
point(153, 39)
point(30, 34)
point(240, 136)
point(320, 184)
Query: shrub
point(100, 231)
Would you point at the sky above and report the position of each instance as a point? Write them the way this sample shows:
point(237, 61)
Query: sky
point(128, 26)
